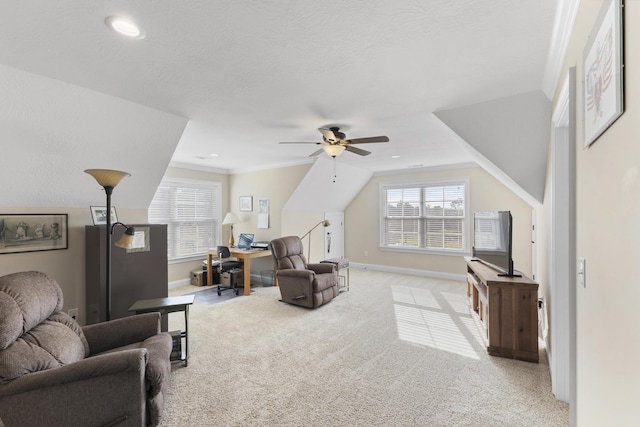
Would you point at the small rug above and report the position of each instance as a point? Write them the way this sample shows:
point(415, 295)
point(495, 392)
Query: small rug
point(210, 295)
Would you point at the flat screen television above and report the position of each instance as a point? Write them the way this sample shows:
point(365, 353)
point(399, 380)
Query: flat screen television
point(492, 240)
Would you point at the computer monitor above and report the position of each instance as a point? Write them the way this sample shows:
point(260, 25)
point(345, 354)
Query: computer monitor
point(245, 240)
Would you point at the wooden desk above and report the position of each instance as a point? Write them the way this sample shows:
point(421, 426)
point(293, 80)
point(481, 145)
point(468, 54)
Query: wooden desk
point(242, 254)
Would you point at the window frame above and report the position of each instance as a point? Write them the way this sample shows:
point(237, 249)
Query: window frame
point(466, 220)
point(217, 214)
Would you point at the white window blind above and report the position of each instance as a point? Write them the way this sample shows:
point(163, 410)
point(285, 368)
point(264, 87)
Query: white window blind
point(425, 216)
point(191, 210)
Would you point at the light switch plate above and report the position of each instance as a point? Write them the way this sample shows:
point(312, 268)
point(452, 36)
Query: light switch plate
point(582, 272)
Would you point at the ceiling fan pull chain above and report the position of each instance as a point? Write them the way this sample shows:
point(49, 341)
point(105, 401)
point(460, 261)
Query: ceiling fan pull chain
point(335, 174)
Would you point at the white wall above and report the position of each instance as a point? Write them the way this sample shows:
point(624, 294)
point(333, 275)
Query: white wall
point(362, 243)
point(608, 231)
point(277, 185)
point(52, 131)
point(512, 133)
point(328, 186)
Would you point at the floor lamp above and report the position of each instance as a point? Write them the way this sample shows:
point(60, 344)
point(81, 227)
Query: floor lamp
point(324, 223)
point(109, 179)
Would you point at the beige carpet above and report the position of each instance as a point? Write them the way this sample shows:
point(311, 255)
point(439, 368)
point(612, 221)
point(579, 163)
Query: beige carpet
point(395, 350)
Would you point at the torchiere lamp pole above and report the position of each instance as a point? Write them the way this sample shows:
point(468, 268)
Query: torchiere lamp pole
point(324, 223)
point(109, 179)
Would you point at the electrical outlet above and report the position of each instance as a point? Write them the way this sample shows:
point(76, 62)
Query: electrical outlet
point(366, 253)
point(73, 313)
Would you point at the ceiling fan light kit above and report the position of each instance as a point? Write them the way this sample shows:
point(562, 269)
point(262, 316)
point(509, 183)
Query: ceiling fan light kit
point(334, 142)
point(334, 150)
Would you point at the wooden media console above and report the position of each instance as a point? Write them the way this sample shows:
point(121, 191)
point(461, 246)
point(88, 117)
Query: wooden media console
point(507, 308)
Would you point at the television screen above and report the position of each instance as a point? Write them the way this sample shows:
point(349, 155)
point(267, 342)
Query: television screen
point(492, 239)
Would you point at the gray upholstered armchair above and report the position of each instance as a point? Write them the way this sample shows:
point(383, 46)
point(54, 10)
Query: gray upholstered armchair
point(55, 373)
point(308, 285)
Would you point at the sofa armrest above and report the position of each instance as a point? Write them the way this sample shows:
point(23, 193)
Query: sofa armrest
point(120, 332)
point(101, 390)
point(322, 267)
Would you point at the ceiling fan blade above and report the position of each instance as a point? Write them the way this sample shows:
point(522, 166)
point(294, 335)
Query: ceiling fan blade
point(299, 143)
point(367, 140)
point(315, 153)
point(355, 150)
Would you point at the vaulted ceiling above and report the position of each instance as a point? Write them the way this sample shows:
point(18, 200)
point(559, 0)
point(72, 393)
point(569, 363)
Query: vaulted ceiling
point(234, 78)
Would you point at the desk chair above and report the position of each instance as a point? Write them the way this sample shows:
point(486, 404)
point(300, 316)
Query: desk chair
point(227, 264)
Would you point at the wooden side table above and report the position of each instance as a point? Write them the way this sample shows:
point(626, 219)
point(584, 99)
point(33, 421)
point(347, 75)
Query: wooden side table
point(342, 264)
point(166, 306)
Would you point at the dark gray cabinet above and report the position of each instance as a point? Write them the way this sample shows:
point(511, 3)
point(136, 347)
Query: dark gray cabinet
point(135, 274)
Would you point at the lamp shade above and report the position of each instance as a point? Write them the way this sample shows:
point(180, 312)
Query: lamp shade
point(107, 177)
point(126, 241)
point(230, 218)
point(334, 150)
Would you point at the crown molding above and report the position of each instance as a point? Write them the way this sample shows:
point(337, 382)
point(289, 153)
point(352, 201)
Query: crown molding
point(562, 29)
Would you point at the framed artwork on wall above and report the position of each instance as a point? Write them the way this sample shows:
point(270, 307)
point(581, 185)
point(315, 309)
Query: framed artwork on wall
point(33, 232)
point(603, 67)
point(246, 203)
point(263, 206)
point(263, 213)
point(99, 215)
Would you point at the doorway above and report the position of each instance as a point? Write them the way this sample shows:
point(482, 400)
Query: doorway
point(562, 260)
point(334, 235)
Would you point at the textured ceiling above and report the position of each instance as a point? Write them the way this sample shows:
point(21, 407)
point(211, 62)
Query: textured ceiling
point(248, 74)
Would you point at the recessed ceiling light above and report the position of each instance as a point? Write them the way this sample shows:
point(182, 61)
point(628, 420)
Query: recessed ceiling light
point(395, 157)
point(125, 27)
point(213, 155)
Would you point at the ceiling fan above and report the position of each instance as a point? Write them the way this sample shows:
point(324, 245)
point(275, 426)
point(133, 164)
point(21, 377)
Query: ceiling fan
point(334, 142)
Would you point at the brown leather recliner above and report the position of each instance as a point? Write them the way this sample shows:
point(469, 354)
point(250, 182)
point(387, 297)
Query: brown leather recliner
point(55, 373)
point(308, 285)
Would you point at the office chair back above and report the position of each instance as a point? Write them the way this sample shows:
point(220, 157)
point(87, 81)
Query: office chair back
point(224, 253)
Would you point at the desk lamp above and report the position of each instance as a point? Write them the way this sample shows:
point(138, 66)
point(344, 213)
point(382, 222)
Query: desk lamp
point(231, 219)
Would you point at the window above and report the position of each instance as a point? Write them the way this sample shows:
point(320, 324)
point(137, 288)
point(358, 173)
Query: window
point(191, 210)
point(425, 216)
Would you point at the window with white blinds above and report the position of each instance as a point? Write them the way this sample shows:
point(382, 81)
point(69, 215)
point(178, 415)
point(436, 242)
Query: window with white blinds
point(192, 211)
point(425, 216)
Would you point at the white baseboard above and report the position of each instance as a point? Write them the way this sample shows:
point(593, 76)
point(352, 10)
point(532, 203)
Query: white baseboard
point(411, 271)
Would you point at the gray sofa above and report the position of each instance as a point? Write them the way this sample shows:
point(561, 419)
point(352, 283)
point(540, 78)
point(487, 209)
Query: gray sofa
point(55, 373)
point(307, 285)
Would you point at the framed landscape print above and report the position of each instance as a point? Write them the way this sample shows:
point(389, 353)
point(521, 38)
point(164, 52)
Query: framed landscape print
point(603, 62)
point(33, 232)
